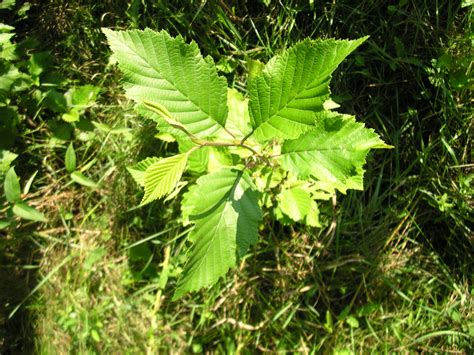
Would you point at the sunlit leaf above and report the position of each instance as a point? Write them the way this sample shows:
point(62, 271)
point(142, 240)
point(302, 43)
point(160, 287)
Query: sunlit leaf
point(333, 152)
point(70, 159)
point(162, 177)
point(83, 180)
point(24, 211)
point(11, 186)
point(224, 208)
point(293, 86)
point(138, 170)
point(295, 202)
point(168, 71)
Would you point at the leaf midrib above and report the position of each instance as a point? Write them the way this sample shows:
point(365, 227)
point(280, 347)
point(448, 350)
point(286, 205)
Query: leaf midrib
point(226, 199)
point(315, 150)
point(291, 98)
point(215, 235)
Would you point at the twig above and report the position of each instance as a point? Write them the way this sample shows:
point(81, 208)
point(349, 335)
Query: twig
point(332, 228)
point(239, 324)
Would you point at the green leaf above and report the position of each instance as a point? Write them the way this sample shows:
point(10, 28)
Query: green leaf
point(162, 176)
point(163, 112)
point(24, 211)
point(102, 126)
point(6, 158)
point(205, 159)
point(55, 101)
point(39, 63)
point(4, 27)
point(333, 152)
point(12, 186)
point(7, 4)
point(8, 75)
point(71, 116)
point(94, 256)
point(238, 119)
point(295, 202)
point(199, 160)
point(28, 184)
point(188, 201)
point(7, 48)
point(84, 96)
point(219, 158)
point(138, 170)
point(4, 224)
point(352, 321)
point(254, 69)
point(165, 137)
point(81, 179)
point(312, 219)
point(166, 70)
point(224, 208)
point(293, 86)
point(70, 158)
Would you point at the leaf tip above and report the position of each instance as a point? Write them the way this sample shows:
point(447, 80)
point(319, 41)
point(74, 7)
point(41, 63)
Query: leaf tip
point(178, 294)
point(107, 31)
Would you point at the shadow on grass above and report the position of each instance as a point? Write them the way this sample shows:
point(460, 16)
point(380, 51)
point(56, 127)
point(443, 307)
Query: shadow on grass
point(17, 335)
point(302, 291)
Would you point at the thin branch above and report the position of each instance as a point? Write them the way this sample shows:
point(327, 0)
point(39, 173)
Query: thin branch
point(251, 149)
point(201, 144)
point(245, 138)
point(239, 324)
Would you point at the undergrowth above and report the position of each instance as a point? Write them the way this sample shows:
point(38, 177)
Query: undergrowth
point(391, 273)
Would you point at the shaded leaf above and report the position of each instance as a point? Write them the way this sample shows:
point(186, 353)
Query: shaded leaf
point(39, 63)
point(55, 101)
point(9, 120)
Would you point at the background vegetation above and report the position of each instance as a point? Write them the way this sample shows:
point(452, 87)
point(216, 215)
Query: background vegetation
point(391, 271)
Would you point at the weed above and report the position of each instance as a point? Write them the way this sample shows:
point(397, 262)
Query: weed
point(394, 274)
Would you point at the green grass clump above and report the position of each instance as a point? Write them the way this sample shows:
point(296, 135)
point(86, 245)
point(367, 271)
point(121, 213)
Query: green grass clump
point(392, 270)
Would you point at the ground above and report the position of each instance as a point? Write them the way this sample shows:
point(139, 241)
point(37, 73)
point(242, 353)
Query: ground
point(394, 275)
